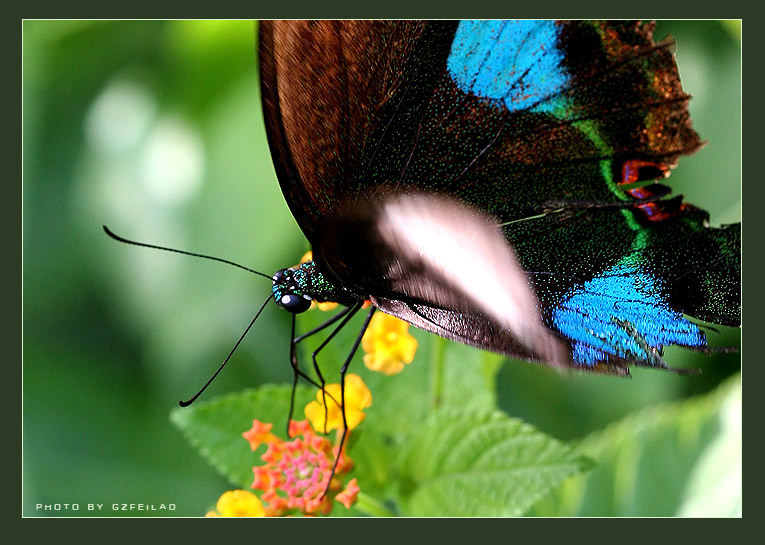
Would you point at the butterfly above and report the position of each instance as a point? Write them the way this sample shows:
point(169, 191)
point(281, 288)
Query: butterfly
point(494, 183)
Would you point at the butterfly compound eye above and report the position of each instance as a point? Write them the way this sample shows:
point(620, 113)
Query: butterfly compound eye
point(294, 303)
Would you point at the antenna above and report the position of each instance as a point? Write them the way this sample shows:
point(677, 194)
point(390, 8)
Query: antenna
point(144, 245)
point(222, 365)
point(192, 254)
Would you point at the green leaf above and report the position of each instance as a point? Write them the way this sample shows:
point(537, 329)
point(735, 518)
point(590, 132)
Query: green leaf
point(675, 459)
point(482, 464)
point(470, 375)
point(714, 489)
point(443, 374)
point(215, 428)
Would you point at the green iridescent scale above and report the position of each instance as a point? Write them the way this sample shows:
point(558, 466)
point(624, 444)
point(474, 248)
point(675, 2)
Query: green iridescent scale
point(310, 281)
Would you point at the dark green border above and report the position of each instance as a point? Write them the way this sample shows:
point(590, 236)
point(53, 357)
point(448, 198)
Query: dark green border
point(350, 529)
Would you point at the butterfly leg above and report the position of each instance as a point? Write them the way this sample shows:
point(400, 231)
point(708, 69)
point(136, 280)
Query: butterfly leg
point(352, 310)
point(323, 326)
point(296, 372)
point(343, 371)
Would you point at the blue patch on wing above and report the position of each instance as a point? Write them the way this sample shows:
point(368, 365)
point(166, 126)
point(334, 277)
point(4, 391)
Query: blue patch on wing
point(516, 62)
point(619, 313)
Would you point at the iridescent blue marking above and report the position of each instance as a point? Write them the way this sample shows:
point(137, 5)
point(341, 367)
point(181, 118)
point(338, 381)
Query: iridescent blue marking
point(620, 313)
point(516, 62)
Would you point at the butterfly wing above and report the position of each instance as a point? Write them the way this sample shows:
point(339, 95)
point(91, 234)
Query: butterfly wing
point(327, 88)
point(545, 126)
point(434, 261)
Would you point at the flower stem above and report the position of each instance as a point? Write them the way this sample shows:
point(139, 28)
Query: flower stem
point(437, 371)
point(372, 507)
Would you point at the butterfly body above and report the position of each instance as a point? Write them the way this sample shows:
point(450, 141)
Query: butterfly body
point(481, 180)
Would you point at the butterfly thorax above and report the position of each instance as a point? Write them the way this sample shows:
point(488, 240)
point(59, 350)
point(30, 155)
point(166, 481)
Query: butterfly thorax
point(296, 287)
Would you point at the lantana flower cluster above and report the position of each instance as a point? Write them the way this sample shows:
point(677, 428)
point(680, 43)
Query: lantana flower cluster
point(298, 472)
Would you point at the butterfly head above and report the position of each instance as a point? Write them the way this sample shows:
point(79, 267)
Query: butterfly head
point(289, 289)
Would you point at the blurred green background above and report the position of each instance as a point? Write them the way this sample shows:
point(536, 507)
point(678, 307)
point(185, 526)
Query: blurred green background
point(155, 129)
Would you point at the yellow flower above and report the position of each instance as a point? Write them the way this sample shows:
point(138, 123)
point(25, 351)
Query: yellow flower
point(327, 305)
point(238, 503)
point(388, 344)
point(357, 398)
point(308, 256)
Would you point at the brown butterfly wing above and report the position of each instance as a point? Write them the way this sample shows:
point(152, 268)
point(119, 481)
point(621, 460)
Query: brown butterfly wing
point(325, 87)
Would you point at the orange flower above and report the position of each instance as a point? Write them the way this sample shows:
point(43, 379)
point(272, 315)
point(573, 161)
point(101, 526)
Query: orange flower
point(297, 472)
point(388, 344)
point(357, 398)
point(348, 496)
point(259, 433)
point(238, 503)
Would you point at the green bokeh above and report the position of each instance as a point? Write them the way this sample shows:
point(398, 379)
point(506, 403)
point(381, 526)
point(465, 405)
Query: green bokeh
point(155, 129)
